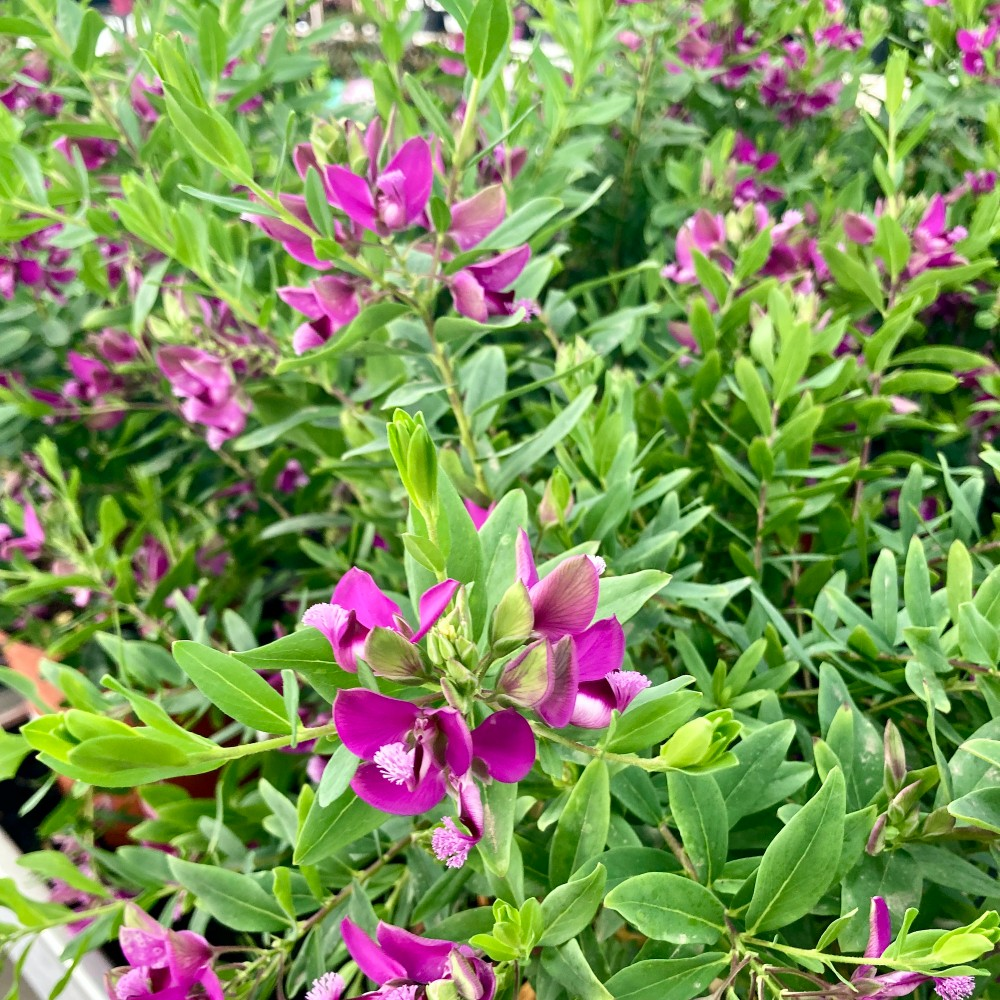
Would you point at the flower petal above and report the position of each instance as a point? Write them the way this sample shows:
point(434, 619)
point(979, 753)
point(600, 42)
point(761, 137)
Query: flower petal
point(560, 699)
point(497, 273)
point(880, 928)
point(425, 959)
point(413, 161)
point(468, 296)
point(367, 721)
point(525, 680)
point(475, 218)
point(595, 701)
point(352, 195)
point(457, 751)
point(565, 601)
point(526, 571)
point(358, 592)
point(600, 649)
point(302, 300)
point(342, 630)
point(370, 958)
point(432, 606)
point(336, 299)
point(373, 787)
point(506, 745)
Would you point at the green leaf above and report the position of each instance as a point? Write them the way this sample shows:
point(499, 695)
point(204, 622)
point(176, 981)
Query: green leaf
point(980, 808)
point(582, 830)
point(669, 907)
point(977, 638)
point(568, 966)
point(654, 715)
point(667, 978)
point(699, 811)
point(535, 448)
point(569, 908)
point(624, 596)
point(486, 36)
point(55, 865)
point(233, 687)
point(329, 828)
point(796, 870)
point(13, 749)
point(210, 136)
point(307, 652)
point(498, 826)
point(754, 394)
point(917, 585)
point(233, 899)
point(364, 326)
point(885, 594)
point(522, 223)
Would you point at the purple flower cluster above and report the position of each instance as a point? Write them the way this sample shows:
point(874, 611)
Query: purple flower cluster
point(30, 93)
point(381, 202)
point(414, 756)
point(408, 967)
point(207, 388)
point(33, 262)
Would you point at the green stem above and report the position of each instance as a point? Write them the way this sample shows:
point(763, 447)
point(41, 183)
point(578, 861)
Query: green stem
point(262, 746)
point(818, 956)
point(630, 759)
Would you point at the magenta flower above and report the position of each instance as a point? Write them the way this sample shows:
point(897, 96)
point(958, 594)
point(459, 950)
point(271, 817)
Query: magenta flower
point(933, 243)
point(858, 229)
point(93, 152)
point(475, 218)
point(206, 385)
point(565, 601)
point(140, 92)
point(478, 514)
point(34, 262)
point(115, 346)
point(705, 233)
point(292, 477)
point(630, 40)
point(603, 686)
point(297, 244)
point(20, 96)
point(404, 965)
point(449, 66)
point(329, 303)
point(358, 605)
point(30, 543)
point(415, 756)
point(899, 984)
point(478, 290)
point(165, 964)
point(974, 45)
point(391, 200)
point(91, 384)
point(329, 986)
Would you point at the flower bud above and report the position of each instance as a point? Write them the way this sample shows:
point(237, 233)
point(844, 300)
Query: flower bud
point(464, 976)
point(689, 744)
point(421, 465)
point(894, 758)
point(513, 619)
point(904, 803)
point(557, 500)
point(876, 839)
point(390, 654)
point(442, 989)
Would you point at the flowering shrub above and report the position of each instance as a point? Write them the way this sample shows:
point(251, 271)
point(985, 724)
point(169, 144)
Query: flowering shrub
point(512, 518)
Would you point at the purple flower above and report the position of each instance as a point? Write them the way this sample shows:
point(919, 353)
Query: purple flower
point(19, 97)
point(478, 514)
point(165, 964)
point(296, 243)
point(933, 243)
point(603, 686)
point(205, 384)
point(115, 346)
point(358, 605)
point(565, 601)
point(478, 290)
point(329, 986)
point(140, 92)
point(329, 303)
point(404, 965)
point(475, 218)
point(93, 152)
point(974, 45)
point(899, 984)
point(858, 229)
point(34, 262)
point(292, 477)
point(705, 233)
point(414, 757)
point(391, 200)
point(30, 543)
